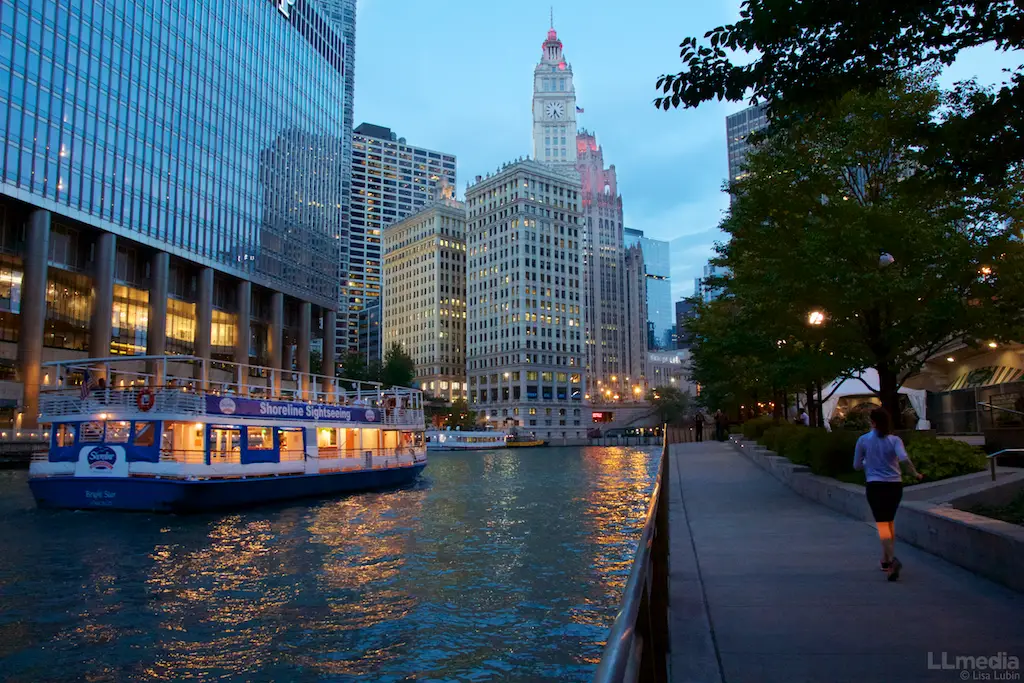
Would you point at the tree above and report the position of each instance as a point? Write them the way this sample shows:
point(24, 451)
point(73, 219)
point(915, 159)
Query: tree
point(352, 367)
point(316, 362)
point(670, 404)
point(826, 196)
point(399, 368)
point(815, 51)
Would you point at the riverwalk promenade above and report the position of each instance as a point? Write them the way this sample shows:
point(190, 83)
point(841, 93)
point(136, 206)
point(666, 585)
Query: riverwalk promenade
point(767, 586)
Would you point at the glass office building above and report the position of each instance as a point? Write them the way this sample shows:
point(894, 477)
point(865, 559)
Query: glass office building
point(172, 176)
point(657, 263)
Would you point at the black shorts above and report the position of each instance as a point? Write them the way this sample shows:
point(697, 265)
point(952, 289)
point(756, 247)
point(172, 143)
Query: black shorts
point(884, 498)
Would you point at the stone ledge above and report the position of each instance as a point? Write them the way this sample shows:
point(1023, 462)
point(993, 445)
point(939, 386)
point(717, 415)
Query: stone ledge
point(988, 547)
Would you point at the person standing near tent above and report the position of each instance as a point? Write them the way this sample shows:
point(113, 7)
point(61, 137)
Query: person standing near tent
point(698, 425)
point(880, 453)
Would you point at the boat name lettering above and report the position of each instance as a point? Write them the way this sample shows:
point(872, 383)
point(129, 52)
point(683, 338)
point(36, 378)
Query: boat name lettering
point(299, 411)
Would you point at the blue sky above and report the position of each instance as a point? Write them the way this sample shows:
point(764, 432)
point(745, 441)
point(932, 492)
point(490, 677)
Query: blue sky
point(457, 77)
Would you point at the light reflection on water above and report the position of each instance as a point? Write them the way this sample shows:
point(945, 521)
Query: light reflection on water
point(502, 565)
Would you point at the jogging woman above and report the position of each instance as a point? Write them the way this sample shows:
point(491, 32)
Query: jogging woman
point(879, 453)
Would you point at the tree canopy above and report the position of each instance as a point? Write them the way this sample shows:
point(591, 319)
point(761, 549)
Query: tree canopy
point(840, 214)
point(670, 404)
point(813, 51)
point(399, 368)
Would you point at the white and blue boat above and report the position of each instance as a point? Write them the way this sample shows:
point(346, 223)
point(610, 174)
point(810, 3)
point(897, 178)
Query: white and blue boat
point(455, 440)
point(183, 434)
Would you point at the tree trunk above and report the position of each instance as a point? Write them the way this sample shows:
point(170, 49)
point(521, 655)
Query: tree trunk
point(812, 412)
point(888, 391)
point(820, 412)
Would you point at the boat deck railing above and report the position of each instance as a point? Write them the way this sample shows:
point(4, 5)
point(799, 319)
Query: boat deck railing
point(179, 385)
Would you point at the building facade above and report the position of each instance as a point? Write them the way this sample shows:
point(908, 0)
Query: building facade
point(604, 287)
point(635, 280)
point(425, 294)
point(657, 264)
point(737, 127)
point(391, 180)
point(371, 347)
point(188, 204)
point(684, 314)
point(554, 106)
point(525, 325)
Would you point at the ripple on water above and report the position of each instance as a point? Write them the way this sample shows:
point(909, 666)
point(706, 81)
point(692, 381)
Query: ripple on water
point(503, 565)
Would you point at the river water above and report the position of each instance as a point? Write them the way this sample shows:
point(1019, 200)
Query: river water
point(497, 566)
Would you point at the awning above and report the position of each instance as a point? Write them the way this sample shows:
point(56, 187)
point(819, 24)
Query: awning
point(986, 376)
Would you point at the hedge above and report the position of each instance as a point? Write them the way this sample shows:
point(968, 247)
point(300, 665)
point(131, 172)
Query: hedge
point(830, 454)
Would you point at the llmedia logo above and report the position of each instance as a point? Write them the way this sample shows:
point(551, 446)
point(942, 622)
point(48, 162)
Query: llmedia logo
point(997, 667)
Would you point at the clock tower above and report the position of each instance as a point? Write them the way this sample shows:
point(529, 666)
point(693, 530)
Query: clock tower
point(554, 106)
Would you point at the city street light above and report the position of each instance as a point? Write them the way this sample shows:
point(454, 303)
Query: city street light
point(816, 318)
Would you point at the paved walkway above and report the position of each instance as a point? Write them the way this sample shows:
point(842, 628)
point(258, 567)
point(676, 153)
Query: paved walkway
point(768, 586)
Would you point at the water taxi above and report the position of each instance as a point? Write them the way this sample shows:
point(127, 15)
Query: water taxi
point(517, 440)
point(184, 434)
point(449, 440)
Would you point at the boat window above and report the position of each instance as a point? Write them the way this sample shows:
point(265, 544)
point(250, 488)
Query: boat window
point(145, 434)
point(261, 439)
point(327, 437)
point(65, 435)
point(92, 432)
point(225, 443)
point(291, 444)
point(118, 431)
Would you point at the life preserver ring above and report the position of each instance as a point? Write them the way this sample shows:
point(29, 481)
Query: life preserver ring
point(145, 400)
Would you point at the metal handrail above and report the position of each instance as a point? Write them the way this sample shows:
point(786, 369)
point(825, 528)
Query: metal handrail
point(635, 650)
point(992, 458)
point(1005, 410)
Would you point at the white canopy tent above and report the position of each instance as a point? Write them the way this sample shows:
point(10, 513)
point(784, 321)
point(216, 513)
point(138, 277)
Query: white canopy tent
point(856, 387)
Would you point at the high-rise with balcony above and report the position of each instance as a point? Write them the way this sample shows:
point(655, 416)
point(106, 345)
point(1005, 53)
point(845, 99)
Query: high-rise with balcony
point(525, 333)
point(424, 296)
point(171, 180)
point(391, 180)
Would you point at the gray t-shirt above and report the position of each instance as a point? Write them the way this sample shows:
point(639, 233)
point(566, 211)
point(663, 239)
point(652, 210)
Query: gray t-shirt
point(879, 457)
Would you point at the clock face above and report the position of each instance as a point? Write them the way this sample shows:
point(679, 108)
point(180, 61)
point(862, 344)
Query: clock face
point(555, 110)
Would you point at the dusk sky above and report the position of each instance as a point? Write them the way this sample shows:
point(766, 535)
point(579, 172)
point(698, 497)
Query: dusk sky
point(457, 77)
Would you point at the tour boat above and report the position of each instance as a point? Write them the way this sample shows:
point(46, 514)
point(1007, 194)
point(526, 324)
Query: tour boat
point(184, 434)
point(448, 440)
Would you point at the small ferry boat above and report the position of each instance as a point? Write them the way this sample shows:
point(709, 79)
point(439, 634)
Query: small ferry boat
point(517, 440)
point(448, 440)
point(184, 434)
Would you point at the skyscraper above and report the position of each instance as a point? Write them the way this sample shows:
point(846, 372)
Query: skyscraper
point(737, 127)
point(391, 180)
point(554, 106)
point(635, 279)
point(525, 333)
point(657, 266)
point(148, 198)
point(425, 293)
point(603, 292)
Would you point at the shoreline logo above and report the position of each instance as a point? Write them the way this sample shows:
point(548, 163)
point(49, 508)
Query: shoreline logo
point(101, 458)
point(997, 667)
point(285, 7)
point(227, 406)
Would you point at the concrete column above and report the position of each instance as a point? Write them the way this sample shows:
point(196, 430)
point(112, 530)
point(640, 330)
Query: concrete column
point(275, 337)
point(101, 323)
point(330, 358)
point(156, 333)
point(242, 329)
point(305, 333)
point(33, 314)
point(204, 322)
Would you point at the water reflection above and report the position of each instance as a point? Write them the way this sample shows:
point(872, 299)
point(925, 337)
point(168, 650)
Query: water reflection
point(505, 565)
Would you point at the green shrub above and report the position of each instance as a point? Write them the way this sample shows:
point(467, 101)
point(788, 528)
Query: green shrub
point(943, 458)
point(753, 429)
point(832, 453)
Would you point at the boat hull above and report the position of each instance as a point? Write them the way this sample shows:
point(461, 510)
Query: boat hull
point(146, 494)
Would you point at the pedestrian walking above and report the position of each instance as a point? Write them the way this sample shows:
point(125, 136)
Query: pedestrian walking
point(880, 453)
point(698, 425)
point(804, 418)
point(720, 425)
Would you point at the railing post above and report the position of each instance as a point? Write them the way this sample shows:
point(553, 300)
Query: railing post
point(658, 643)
